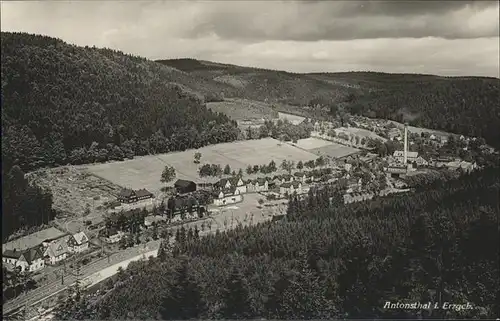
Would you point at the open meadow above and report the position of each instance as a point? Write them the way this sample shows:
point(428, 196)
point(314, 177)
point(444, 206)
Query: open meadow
point(322, 147)
point(144, 172)
point(312, 143)
point(362, 133)
point(334, 150)
point(243, 109)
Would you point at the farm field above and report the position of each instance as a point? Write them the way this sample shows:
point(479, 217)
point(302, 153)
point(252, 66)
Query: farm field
point(243, 109)
point(74, 190)
point(359, 132)
point(294, 119)
point(312, 143)
point(144, 172)
point(334, 150)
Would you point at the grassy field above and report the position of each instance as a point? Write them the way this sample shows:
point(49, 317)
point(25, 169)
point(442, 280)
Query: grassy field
point(359, 132)
point(243, 109)
point(294, 119)
point(334, 150)
point(312, 143)
point(144, 172)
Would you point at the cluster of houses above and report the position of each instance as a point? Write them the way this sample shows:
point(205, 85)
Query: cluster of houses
point(31, 254)
point(230, 190)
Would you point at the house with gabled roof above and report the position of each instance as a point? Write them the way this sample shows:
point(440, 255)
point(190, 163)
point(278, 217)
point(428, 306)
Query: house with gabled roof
point(78, 243)
point(29, 260)
point(300, 177)
point(239, 184)
point(56, 251)
point(224, 183)
point(127, 195)
point(112, 235)
point(260, 184)
point(227, 196)
point(290, 188)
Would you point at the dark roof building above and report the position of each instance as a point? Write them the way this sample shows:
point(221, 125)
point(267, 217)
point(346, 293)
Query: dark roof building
point(129, 196)
point(183, 186)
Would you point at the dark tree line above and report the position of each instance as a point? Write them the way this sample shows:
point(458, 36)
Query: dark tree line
point(67, 104)
point(281, 129)
point(24, 205)
point(330, 260)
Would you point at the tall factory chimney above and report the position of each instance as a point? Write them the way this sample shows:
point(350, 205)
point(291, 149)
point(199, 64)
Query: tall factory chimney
point(405, 152)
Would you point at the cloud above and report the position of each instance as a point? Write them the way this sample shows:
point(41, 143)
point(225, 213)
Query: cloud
point(437, 37)
point(338, 20)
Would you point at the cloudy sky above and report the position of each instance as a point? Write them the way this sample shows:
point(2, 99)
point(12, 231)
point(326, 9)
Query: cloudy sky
point(436, 37)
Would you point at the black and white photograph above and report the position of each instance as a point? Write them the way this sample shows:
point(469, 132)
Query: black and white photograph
point(250, 160)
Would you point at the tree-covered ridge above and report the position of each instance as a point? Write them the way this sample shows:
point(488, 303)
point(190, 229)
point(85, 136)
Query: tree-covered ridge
point(462, 105)
point(67, 104)
point(467, 106)
point(439, 244)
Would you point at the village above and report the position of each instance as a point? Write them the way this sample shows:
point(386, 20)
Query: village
point(354, 156)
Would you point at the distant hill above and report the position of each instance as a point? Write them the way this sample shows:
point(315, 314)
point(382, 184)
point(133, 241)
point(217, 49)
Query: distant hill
point(464, 105)
point(67, 104)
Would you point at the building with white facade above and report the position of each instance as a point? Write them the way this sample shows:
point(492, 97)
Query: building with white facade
point(78, 243)
point(227, 196)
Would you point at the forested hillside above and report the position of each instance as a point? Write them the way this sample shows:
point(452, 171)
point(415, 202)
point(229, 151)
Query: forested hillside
point(463, 105)
point(67, 104)
point(321, 261)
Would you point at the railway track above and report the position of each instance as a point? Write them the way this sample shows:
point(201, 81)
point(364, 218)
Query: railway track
point(56, 286)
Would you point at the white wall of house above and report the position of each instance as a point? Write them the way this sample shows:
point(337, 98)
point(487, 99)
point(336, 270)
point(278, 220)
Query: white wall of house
point(9, 260)
point(114, 238)
point(79, 248)
point(230, 199)
point(56, 259)
point(37, 265)
point(242, 189)
point(262, 188)
point(291, 189)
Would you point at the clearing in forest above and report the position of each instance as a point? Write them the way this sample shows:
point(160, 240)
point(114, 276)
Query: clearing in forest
point(145, 171)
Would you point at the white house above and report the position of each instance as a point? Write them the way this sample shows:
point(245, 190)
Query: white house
point(223, 184)
point(290, 188)
point(113, 236)
point(300, 177)
point(227, 196)
point(78, 243)
point(258, 185)
point(239, 184)
point(233, 182)
point(29, 260)
point(56, 251)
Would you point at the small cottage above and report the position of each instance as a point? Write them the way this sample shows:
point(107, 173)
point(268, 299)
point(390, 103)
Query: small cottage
point(239, 184)
point(29, 260)
point(113, 235)
point(78, 243)
point(56, 251)
point(227, 196)
point(291, 188)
